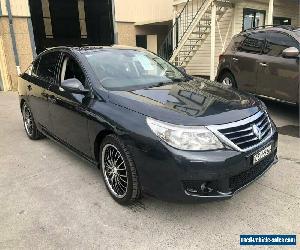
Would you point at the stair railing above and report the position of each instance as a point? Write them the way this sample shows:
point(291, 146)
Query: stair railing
point(180, 27)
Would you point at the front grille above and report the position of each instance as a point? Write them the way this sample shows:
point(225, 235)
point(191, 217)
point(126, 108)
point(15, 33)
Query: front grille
point(243, 136)
point(242, 179)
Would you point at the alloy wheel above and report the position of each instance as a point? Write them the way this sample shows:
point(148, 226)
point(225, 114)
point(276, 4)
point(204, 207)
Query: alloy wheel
point(227, 81)
point(28, 120)
point(114, 171)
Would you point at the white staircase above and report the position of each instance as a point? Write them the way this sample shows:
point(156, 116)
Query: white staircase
point(191, 29)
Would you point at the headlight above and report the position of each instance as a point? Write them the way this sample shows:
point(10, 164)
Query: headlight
point(263, 106)
point(185, 138)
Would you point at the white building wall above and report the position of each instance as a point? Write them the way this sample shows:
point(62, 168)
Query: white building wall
point(200, 63)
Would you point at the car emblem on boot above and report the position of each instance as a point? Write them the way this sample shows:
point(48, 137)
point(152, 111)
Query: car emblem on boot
point(256, 131)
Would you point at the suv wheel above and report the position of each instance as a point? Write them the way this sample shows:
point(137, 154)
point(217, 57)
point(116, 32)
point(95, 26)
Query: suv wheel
point(228, 80)
point(30, 127)
point(119, 171)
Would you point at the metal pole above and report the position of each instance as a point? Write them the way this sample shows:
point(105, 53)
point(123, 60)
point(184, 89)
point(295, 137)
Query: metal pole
point(270, 12)
point(13, 36)
point(213, 41)
point(116, 35)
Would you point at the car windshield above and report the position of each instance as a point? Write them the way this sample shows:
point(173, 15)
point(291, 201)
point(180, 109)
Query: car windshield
point(120, 69)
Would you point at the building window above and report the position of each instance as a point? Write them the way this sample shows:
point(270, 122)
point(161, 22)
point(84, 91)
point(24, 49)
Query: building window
point(141, 41)
point(253, 18)
point(282, 21)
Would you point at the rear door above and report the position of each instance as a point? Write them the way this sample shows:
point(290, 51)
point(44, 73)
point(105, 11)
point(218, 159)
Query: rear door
point(278, 77)
point(42, 75)
point(245, 60)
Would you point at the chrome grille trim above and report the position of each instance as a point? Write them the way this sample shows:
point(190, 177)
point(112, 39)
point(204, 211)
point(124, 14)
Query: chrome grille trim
point(240, 133)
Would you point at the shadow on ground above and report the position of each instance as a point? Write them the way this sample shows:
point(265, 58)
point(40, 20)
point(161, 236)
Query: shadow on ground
point(286, 117)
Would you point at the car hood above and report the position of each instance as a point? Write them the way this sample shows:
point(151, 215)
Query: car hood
point(195, 102)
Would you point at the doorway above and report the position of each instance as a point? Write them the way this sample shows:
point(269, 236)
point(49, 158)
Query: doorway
point(71, 23)
point(282, 21)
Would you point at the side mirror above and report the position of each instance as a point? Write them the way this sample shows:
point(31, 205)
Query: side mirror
point(74, 86)
point(182, 70)
point(291, 52)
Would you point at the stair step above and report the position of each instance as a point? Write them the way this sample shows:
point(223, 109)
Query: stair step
point(198, 33)
point(218, 12)
point(203, 26)
point(187, 56)
point(196, 39)
point(206, 19)
point(224, 4)
point(188, 50)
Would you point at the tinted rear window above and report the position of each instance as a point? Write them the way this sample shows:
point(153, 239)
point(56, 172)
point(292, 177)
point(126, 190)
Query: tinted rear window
point(253, 42)
point(235, 43)
point(47, 66)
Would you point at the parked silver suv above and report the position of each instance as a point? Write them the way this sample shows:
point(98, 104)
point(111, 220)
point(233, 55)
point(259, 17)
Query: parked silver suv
point(265, 62)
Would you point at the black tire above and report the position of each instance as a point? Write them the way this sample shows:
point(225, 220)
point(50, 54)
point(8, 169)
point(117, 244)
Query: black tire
point(113, 170)
point(231, 80)
point(29, 125)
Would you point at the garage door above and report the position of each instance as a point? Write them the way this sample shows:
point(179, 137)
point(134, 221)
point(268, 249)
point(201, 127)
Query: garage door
point(71, 23)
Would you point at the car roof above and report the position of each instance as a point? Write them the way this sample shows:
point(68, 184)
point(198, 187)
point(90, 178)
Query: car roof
point(85, 49)
point(285, 28)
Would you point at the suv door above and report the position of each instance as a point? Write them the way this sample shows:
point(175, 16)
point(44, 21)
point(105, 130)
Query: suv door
point(278, 77)
point(38, 80)
point(68, 111)
point(245, 60)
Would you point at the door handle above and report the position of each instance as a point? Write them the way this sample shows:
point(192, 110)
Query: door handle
point(235, 59)
point(263, 64)
point(29, 87)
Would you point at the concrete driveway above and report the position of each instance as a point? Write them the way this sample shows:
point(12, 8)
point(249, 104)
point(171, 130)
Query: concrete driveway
point(50, 198)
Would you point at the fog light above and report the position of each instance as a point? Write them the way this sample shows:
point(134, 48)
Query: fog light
point(205, 189)
point(197, 187)
point(191, 190)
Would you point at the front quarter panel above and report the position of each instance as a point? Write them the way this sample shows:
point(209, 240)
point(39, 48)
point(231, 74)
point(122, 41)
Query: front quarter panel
point(22, 87)
point(130, 126)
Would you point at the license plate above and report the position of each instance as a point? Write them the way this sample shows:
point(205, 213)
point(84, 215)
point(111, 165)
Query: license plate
point(262, 154)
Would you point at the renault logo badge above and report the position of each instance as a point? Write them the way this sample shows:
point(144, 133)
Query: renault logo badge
point(256, 131)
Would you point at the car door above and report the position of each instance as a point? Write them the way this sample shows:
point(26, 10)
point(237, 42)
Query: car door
point(278, 77)
point(68, 111)
point(245, 60)
point(38, 81)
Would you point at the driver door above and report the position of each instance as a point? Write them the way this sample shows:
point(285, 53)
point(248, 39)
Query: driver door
point(68, 111)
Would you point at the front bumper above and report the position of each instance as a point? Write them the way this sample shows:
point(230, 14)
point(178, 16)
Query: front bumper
point(176, 175)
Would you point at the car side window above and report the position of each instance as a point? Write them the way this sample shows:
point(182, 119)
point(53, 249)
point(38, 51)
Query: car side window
point(71, 69)
point(32, 69)
point(253, 42)
point(235, 43)
point(277, 42)
point(35, 66)
point(47, 68)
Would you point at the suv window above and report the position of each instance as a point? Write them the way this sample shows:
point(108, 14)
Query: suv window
point(71, 69)
point(253, 42)
point(235, 43)
point(277, 42)
point(47, 66)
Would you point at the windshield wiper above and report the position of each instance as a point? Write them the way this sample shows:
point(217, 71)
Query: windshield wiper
point(178, 79)
point(159, 84)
